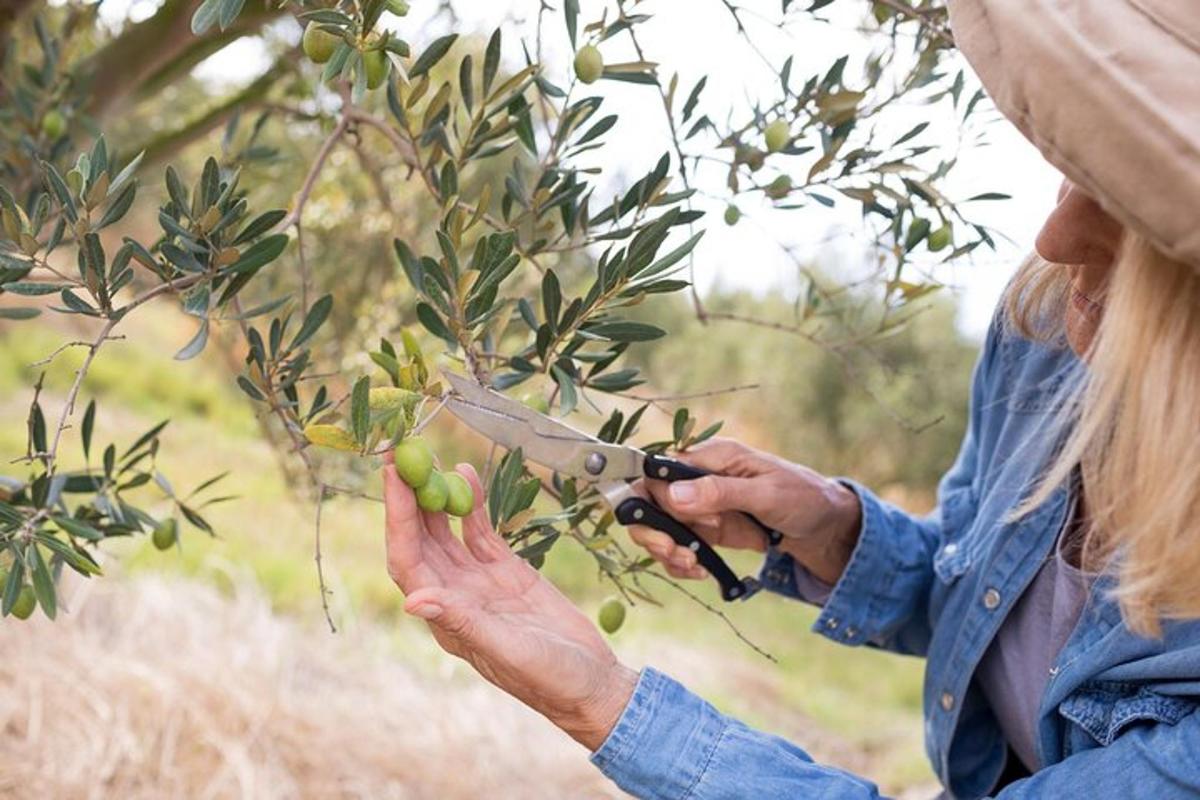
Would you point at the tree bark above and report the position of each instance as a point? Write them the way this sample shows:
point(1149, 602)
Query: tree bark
point(148, 55)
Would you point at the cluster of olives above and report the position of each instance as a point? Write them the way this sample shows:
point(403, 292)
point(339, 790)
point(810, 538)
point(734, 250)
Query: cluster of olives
point(435, 490)
point(320, 44)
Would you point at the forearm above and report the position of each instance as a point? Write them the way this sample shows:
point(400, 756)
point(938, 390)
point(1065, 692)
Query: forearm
point(671, 744)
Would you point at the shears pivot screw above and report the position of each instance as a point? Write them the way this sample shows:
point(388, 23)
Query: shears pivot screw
point(638, 514)
point(595, 463)
point(663, 472)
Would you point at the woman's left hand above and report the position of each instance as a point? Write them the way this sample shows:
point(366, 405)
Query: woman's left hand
point(487, 606)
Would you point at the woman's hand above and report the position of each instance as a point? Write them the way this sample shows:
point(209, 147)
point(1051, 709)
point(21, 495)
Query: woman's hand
point(818, 517)
point(488, 607)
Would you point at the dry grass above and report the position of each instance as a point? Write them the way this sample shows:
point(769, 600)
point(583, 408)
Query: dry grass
point(168, 689)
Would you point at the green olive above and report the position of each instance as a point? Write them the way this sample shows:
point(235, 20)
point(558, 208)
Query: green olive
point(612, 615)
point(589, 64)
point(940, 239)
point(732, 215)
point(434, 494)
point(165, 534)
point(54, 124)
point(779, 188)
point(26, 603)
point(460, 500)
point(778, 136)
point(397, 7)
point(319, 45)
point(414, 461)
point(376, 65)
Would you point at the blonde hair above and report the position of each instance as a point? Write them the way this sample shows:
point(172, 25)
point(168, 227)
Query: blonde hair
point(1135, 434)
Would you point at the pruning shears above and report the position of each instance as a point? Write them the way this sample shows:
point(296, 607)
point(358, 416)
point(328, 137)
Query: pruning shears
point(610, 468)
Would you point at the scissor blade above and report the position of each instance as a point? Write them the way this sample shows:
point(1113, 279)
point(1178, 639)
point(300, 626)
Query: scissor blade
point(541, 439)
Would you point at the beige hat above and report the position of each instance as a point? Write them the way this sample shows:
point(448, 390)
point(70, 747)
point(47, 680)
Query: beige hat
point(1109, 91)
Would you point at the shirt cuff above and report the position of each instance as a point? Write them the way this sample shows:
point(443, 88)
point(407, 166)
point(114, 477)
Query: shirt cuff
point(663, 740)
point(783, 575)
point(849, 612)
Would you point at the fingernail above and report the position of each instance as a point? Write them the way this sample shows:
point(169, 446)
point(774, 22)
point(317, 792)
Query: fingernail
point(683, 493)
point(427, 611)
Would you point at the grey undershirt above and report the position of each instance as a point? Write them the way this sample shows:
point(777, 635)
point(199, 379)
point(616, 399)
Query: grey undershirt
point(1015, 669)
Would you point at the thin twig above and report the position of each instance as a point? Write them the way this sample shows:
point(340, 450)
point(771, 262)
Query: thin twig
point(670, 398)
point(62, 348)
point(325, 592)
point(710, 607)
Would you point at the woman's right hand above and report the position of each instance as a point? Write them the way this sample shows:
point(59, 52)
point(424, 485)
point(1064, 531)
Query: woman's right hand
point(819, 518)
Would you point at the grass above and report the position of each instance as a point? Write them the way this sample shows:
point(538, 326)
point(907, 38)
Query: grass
point(864, 705)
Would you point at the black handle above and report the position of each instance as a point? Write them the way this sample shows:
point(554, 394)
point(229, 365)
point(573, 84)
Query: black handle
point(640, 511)
point(661, 468)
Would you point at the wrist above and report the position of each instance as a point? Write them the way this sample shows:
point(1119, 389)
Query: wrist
point(595, 719)
point(838, 535)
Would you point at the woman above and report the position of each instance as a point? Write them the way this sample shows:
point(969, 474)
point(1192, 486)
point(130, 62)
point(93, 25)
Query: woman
point(1056, 592)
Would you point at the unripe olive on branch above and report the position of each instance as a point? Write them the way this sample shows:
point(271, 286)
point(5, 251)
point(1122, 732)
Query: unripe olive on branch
point(54, 124)
point(460, 500)
point(397, 7)
point(732, 215)
point(940, 239)
point(779, 188)
point(330, 436)
point(25, 603)
point(611, 615)
point(166, 533)
point(319, 45)
point(414, 461)
point(589, 64)
point(376, 67)
point(434, 494)
point(778, 136)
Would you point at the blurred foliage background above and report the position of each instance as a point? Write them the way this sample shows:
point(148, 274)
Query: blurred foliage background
point(890, 412)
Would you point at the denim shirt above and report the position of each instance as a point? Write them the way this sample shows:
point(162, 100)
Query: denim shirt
point(1119, 715)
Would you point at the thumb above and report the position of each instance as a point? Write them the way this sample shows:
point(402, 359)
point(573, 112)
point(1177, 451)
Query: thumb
point(443, 609)
point(715, 494)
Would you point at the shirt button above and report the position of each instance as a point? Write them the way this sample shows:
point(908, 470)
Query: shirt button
point(950, 549)
point(831, 624)
point(849, 632)
point(991, 599)
point(947, 701)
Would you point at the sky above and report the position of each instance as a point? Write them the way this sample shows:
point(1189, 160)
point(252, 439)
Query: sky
point(698, 37)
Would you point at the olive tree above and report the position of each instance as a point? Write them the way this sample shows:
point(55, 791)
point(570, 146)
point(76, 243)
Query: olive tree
point(530, 265)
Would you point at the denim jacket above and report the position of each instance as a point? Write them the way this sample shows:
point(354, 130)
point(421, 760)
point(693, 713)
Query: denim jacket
point(1119, 716)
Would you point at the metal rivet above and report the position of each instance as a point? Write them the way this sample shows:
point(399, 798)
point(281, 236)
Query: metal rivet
point(595, 463)
point(947, 701)
point(638, 513)
point(663, 472)
point(991, 599)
